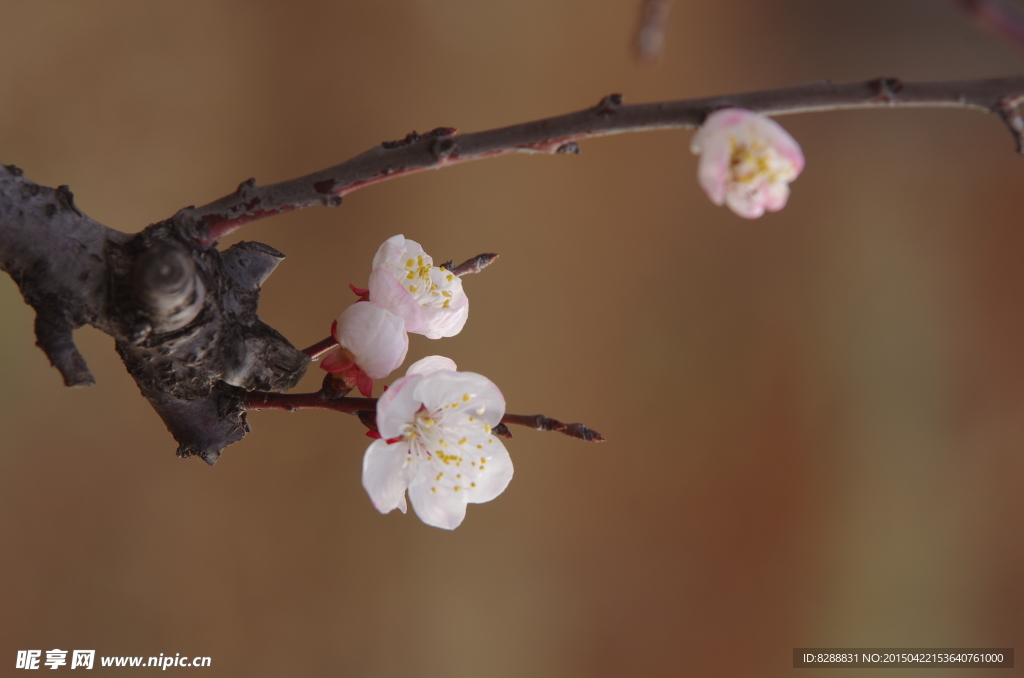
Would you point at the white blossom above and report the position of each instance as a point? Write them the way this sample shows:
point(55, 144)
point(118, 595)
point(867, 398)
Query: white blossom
point(429, 298)
point(746, 161)
point(437, 442)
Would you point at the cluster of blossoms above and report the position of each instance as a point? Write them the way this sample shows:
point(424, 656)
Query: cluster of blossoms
point(406, 293)
point(434, 425)
point(434, 437)
point(746, 161)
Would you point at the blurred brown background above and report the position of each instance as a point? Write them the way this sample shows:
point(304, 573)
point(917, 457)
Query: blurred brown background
point(815, 420)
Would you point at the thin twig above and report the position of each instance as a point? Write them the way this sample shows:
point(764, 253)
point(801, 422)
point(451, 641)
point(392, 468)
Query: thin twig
point(474, 265)
point(320, 347)
point(539, 422)
point(268, 400)
point(365, 409)
point(559, 134)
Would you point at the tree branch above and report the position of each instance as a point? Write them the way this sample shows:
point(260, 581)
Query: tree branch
point(184, 315)
point(443, 148)
point(320, 400)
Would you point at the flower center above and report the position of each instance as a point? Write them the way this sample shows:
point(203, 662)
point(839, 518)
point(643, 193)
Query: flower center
point(428, 284)
point(756, 163)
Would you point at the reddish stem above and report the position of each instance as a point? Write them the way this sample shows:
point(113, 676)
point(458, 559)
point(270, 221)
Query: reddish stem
point(320, 347)
point(268, 400)
point(265, 400)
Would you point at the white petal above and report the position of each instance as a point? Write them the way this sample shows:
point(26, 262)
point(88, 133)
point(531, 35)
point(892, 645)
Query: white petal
point(496, 475)
point(744, 204)
point(775, 196)
point(391, 252)
point(444, 508)
point(713, 172)
point(386, 475)
point(387, 292)
point(395, 251)
point(444, 322)
point(375, 336)
point(432, 363)
point(718, 125)
point(398, 406)
point(461, 394)
point(783, 142)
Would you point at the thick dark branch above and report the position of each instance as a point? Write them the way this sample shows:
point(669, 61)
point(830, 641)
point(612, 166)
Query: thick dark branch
point(183, 316)
point(258, 400)
point(559, 134)
point(56, 256)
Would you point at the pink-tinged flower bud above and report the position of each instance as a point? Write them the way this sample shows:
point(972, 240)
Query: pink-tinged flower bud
point(373, 342)
point(429, 298)
point(746, 161)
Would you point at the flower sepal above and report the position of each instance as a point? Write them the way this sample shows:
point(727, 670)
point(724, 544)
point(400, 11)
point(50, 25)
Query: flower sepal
point(345, 373)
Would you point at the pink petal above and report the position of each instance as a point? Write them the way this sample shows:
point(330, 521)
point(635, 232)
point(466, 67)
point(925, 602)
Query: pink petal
point(336, 361)
point(387, 292)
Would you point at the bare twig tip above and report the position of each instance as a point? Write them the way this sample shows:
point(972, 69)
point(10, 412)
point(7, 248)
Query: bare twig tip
point(475, 265)
point(539, 422)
